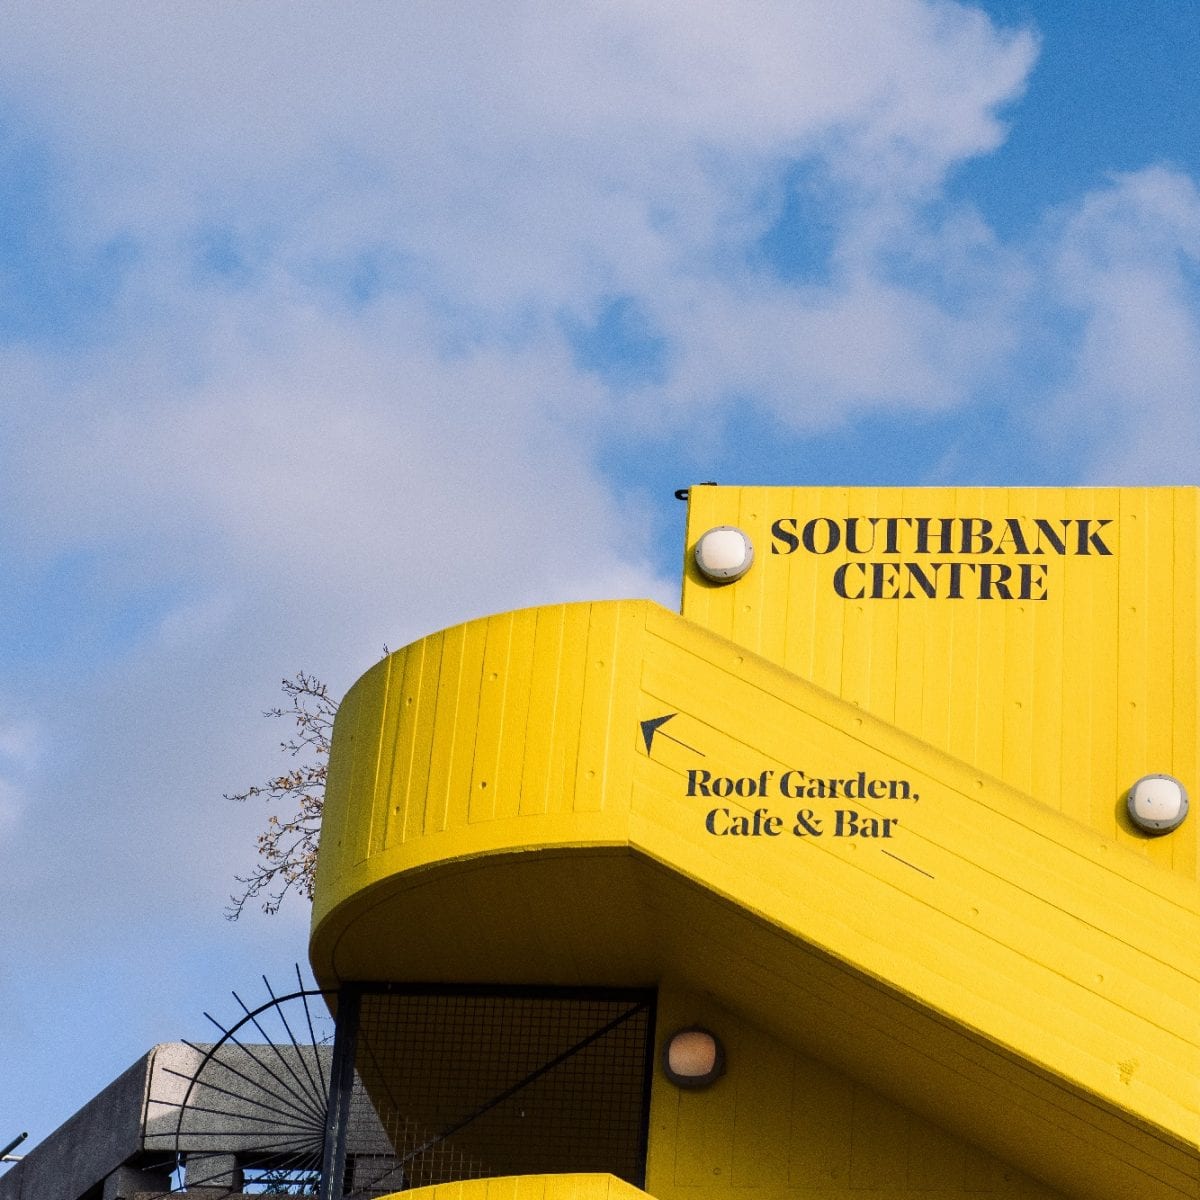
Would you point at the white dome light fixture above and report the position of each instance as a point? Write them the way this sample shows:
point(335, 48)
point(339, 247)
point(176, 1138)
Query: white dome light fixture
point(693, 1057)
point(1157, 803)
point(723, 554)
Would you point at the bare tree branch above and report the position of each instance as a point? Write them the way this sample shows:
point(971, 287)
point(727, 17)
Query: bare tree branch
point(287, 848)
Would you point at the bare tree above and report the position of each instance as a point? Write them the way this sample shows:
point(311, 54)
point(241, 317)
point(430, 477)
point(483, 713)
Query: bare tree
point(287, 848)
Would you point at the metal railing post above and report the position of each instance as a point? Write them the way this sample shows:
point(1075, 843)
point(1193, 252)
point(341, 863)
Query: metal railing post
point(341, 1086)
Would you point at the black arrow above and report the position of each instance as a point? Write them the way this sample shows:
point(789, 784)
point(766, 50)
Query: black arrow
point(655, 724)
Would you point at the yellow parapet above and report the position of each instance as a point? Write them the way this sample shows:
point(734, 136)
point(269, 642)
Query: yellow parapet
point(613, 794)
point(528, 1187)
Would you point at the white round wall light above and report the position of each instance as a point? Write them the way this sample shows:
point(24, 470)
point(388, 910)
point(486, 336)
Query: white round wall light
point(723, 554)
point(693, 1057)
point(1157, 803)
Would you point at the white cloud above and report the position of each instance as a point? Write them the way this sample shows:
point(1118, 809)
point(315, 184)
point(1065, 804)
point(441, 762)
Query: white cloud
point(12, 802)
point(20, 747)
point(19, 741)
point(1128, 263)
point(347, 472)
point(523, 160)
point(463, 90)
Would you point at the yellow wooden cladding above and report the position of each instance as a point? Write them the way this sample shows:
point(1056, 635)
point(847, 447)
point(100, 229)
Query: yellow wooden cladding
point(784, 1122)
point(498, 811)
point(1069, 697)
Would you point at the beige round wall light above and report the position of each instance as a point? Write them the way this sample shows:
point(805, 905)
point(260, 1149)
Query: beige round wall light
point(1157, 803)
point(723, 554)
point(693, 1057)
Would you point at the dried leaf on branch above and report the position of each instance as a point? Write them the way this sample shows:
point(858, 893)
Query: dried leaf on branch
point(287, 848)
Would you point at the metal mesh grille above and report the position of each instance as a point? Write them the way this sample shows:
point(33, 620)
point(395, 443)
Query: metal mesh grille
point(463, 1086)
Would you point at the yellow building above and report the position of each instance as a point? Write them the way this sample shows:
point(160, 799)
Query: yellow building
point(870, 874)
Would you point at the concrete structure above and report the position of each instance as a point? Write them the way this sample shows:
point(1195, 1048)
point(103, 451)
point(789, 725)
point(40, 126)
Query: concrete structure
point(102, 1149)
point(125, 1143)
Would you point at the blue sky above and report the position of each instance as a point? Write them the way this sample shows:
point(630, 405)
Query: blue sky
point(326, 326)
